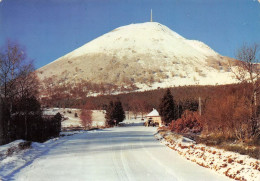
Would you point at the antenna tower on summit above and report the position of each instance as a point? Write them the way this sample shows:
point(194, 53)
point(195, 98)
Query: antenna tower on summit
point(151, 15)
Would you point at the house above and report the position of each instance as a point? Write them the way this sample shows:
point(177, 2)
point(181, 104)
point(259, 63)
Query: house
point(153, 119)
point(49, 113)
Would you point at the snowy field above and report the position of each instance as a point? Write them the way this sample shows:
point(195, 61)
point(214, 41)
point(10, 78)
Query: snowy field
point(120, 153)
point(98, 117)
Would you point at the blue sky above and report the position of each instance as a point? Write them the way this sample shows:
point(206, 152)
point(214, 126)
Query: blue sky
point(51, 28)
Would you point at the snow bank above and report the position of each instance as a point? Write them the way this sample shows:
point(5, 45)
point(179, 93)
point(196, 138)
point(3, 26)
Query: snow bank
point(4, 148)
point(13, 162)
point(12, 156)
point(233, 165)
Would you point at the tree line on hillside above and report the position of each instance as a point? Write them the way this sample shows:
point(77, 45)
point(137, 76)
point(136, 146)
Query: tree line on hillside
point(232, 113)
point(226, 114)
point(20, 111)
point(186, 97)
point(142, 102)
point(63, 93)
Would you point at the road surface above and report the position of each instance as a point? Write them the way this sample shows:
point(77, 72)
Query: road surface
point(123, 153)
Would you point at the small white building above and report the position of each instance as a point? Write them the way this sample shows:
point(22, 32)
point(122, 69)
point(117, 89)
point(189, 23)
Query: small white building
point(153, 118)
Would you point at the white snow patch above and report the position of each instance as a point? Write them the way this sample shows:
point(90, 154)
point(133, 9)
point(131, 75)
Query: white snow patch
point(132, 35)
point(70, 121)
point(233, 165)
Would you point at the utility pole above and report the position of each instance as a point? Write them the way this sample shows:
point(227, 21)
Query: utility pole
point(1, 122)
point(199, 106)
point(151, 15)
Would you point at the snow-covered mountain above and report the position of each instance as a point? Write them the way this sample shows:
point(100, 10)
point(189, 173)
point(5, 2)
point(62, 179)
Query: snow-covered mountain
point(149, 55)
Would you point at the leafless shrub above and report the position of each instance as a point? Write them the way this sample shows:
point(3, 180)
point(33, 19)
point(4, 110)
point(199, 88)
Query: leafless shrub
point(190, 122)
point(138, 106)
point(227, 116)
point(247, 70)
point(86, 116)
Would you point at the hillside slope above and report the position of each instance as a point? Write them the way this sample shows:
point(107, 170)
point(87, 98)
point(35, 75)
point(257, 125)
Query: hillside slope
point(148, 55)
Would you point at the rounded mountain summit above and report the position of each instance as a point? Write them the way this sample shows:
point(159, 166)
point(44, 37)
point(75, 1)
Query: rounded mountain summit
point(147, 55)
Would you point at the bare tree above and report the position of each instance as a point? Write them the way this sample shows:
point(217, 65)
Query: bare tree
point(17, 79)
point(10, 64)
point(27, 83)
point(86, 116)
point(247, 69)
point(138, 106)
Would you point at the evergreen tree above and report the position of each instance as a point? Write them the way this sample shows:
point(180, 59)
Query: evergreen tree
point(57, 124)
point(114, 113)
point(109, 114)
point(119, 113)
point(167, 108)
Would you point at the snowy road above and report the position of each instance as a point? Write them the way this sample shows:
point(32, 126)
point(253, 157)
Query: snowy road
point(126, 153)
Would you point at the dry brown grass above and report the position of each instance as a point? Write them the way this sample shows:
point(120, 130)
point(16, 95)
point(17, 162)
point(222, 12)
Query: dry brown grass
point(250, 148)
